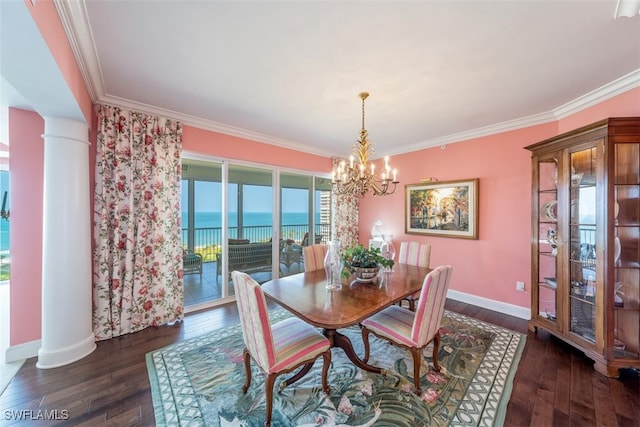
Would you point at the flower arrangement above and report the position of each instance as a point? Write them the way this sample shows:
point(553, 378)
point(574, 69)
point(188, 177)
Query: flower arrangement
point(361, 257)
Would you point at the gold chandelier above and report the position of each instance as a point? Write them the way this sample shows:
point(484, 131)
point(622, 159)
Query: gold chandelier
point(358, 177)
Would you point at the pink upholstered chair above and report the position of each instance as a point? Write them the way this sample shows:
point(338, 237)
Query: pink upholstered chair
point(413, 330)
point(313, 256)
point(278, 348)
point(414, 253)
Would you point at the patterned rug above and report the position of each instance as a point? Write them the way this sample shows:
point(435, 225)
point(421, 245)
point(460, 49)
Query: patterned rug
point(198, 382)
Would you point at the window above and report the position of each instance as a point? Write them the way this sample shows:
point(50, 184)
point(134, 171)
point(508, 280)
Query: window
point(251, 218)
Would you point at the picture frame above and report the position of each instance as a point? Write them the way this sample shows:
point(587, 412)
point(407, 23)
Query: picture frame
point(442, 208)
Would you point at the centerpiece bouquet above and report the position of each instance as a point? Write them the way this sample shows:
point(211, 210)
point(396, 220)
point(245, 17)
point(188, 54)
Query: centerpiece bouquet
point(364, 263)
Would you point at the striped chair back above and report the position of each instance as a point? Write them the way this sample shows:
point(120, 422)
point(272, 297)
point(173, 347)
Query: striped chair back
point(313, 256)
point(414, 253)
point(254, 319)
point(430, 308)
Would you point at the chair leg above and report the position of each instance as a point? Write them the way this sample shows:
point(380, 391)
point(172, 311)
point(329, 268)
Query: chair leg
point(247, 369)
point(268, 385)
point(415, 352)
point(326, 356)
point(365, 340)
point(301, 373)
point(436, 348)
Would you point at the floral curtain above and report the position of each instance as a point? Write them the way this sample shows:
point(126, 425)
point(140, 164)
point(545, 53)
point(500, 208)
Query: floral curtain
point(345, 210)
point(137, 258)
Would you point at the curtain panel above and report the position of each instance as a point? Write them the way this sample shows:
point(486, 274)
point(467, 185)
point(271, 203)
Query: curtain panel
point(137, 271)
point(345, 211)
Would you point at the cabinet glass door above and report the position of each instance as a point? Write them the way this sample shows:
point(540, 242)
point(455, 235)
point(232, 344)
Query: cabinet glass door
point(626, 251)
point(582, 250)
point(547, 239)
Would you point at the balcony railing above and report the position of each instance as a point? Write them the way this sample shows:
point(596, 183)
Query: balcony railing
point(208, 241)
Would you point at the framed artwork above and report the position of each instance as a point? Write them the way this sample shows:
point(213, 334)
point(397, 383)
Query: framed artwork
point(445, 209)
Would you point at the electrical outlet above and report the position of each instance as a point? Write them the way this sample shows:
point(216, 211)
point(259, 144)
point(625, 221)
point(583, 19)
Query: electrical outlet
point(520, 286)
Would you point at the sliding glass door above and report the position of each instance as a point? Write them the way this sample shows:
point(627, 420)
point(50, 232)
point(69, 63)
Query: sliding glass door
point(201, 202)
point(234, 219)
point(305, 217)
point(250, 227)
point(296, 221)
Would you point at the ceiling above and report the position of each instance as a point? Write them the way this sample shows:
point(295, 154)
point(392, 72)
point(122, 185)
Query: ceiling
point(289, 72)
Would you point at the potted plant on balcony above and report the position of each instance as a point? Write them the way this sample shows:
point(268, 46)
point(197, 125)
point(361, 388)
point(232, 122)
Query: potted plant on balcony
point(364, 263)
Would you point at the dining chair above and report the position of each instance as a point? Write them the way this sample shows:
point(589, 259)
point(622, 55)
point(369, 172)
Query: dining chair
point(313, 256)
point(414, 253)
point(413, 330)
point(278, 348)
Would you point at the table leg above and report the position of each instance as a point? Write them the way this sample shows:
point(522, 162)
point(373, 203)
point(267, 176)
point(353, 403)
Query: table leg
point(339, 340)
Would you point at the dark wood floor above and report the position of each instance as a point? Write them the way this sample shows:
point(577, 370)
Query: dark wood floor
point(555, 385)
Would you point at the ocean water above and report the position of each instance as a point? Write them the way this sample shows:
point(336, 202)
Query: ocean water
point(257, 226)
point(4, 236)
point(205, 220)
point(6, 202)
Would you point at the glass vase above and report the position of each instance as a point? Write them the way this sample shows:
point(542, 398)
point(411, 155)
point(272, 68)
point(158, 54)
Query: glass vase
point(388, 250)
point(333, 265)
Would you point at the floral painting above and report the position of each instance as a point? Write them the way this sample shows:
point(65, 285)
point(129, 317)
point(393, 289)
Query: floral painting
point(446, 209)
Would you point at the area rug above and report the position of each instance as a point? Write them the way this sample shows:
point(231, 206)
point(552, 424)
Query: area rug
point(198, 382)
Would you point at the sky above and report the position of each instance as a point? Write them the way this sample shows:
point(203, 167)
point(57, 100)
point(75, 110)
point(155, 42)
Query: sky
point(256, 198)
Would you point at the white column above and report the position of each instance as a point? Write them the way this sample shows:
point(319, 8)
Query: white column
point(67, 333)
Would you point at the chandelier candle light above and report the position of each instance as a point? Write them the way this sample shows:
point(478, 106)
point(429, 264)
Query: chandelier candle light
point(358, 177)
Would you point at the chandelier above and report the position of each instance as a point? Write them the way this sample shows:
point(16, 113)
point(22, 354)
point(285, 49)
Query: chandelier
point(358, 177)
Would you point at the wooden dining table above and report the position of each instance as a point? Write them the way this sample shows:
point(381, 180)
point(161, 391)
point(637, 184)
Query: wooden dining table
point(306, 296)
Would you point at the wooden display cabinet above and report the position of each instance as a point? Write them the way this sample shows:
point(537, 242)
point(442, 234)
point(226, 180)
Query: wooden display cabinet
point(585, 250)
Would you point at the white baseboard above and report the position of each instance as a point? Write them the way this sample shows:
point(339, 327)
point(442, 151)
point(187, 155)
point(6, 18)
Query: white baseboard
point(500, 307)
point(63, 356)
point(22, 351)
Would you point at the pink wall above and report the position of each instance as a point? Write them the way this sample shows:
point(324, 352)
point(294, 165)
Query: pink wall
point(27, 174)
point(490, 266)
point(624, 105)
point(201, 141)
point(48, 21)
point(26, 167)
point(487, 267)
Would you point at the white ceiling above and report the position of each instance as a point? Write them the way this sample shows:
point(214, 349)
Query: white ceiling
point(289, 72)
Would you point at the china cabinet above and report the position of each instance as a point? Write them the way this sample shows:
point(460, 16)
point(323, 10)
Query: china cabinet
point(585, 241)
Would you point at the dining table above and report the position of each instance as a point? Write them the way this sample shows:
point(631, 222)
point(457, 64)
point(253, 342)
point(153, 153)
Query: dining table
point(307, 297)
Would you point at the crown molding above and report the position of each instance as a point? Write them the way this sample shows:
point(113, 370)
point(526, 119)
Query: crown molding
point(493, 129)
point(608, 91)
point(614, 88)
point(212, 126)
point(76, 24)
